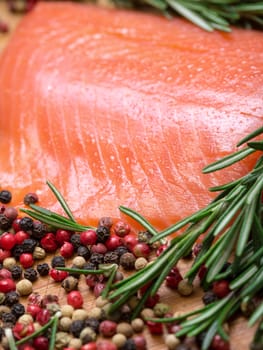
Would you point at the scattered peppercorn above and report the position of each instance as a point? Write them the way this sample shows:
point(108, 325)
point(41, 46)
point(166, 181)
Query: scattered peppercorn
point(209, 297)
point(5, 196)
point(39, 230)
point(29, 245)
point(5, 223)
point(83, 252)
point(16, 272)
point(121, 250)
point(30, 198)
point(31, 274)
point(26, 224)
point(103, 233)
point(76, 327)
point(8, 317)
point(43, 269)
point(24, 287)
point(69, 283)
point(93, 323)
point(129, 345)
point(18, 310)
point(58, 261)
point(127, 261)
point(11, 298)
point(96, 258)
point(75, 240)
point(111, 258)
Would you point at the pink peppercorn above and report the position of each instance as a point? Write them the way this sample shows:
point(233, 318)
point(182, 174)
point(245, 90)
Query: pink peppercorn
point(221, 288)
point(20, 236)
point(99, 248)
point(4, 254)
point(141, 250)
point(89, 346)
point(4, 273)
point(7, 285)
point(67, 250)
point(88, 237)
point(121, 228)
point(7, 241)
point(154, 327)
point(43, 316)
point(57, 275)
point(113, 242)
point(140, 342)
point(219, 344)
point(41, 343)
point(106, 345)
point(107, 328)
point(26, 260)
point(75, 299)
point(62, 236)
point(49, 243)
point(33, 310)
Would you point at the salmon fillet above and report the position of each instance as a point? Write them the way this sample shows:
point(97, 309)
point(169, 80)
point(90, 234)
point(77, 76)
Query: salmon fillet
point(123, 108)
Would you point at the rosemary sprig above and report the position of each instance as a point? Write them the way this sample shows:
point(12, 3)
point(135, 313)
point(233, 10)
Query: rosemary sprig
point(208, 15)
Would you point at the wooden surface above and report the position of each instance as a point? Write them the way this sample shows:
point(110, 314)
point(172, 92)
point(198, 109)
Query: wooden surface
point(240, 335)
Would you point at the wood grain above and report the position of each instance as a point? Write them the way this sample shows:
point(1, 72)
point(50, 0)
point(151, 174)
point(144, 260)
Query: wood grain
point(240, 335)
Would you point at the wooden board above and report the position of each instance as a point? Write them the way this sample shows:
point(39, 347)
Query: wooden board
point(241, 336)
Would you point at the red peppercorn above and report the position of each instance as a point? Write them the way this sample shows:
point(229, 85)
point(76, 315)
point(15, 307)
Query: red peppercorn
point(91, 280)
point(26, 346)
point(41, 343)
point(67, 250)
point(219, 344)
point(4, 254)
point(49, 243)
point(7, 241)
point(16, 224)
point(43, 316)
point(121, 228)
point(221, 288)
point(98, 288)
point(62, 236)
point(106, 345)
point(35, 299)
point(140, 342)
point(57, 275)
point(7, 285)
point(107, 328)
point(26, 260)
point(4, 273)
point(173, 278)
point(161, 249)
point(154, 327)
point(113, 242)
point(3, 27)
point(89, 346)
point(75, 299)
point(141, 250)
point(33, 309)
point(20, 236)
point(130, 241)
point(88, 237)
point(22, 330)
point(152, 301)
point(99, 248)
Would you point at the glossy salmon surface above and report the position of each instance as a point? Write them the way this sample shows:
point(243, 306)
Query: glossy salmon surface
point(124, 108)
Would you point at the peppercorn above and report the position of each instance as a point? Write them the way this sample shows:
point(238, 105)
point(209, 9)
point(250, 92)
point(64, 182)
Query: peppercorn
point(185, 288)
point(103, 233)
point(127, 261)
point(5, 223)
point(65, 323)
point(111, 258)
point(18, 310)
point(11, 298)
point(31, 274)
point(171, 341)
point(2, 333)
point(89, 266)
point(160, 309)
point(39, 253)
point(87, 335)
point(69, 283)
point(29, 245)
point(79, 262)
point(24, 287)
point(209, 297)
point(39, 230)
point(17, 251)
point(5, 196)
point(11, 213)
point(105, 222)
point(67, 310)
point(121, 250)
point(84, 252)
point(75, 240)
point(129, 345)
point(125, 328)
point(26, 224)
point(30, 198)
point(96, 258)
point(8, 317)
point(62, 340)
point(119, 340)
point(58, 261)
point(93, 323)
point(80, 314)
point(76, 327)
point(4, 309)
point(140, 263)
point(16, 272)
point(137, 325)
point(43, 269)
point(2, 298)
point(144, 236)
point(9, 263)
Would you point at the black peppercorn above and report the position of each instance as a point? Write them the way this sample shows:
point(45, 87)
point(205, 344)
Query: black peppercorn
point(127, 261)
point(129, 345)
point(11, 298)
point(96, 258)
point(16, 272)
point(89, 266)
point(8, 317)
point(5, 196)
point(2, 333)
point(209, 297)
point(93, 323)
point(39, 230)
point(18, 310)
point(76, 327)
point(5, 223)
point(29, 245)
point(43, 269)
point(75, 240)
point(17, 251)
point(30, 198)
point(26, 224)
point(30, 274)
point(121, 250)
point(103, 233)
point(58, 261)
point(84, 252)
point(144, 236)
point(111, 258)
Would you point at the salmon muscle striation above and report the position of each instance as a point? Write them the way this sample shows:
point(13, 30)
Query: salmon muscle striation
point(117, 107)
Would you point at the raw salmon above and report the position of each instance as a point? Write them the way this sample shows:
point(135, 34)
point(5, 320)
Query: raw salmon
point(124, 108)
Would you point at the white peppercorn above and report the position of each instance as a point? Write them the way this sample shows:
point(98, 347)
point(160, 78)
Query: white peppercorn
point(67, 310)
point(95, 312)
point(64, 323)
point(39, 253)
point(79, 262)
point(9, 263)
point(80, 314)
point(26, 319)
point(75, 343)
point(147, 313)
point(137, 325)
point(171, 341)
point(62, 340)
point(24, 287)
point(185, 288)
point(119, 340)
point(88, 332)
point(140, 263)
point(100, 301)
point(125, 328)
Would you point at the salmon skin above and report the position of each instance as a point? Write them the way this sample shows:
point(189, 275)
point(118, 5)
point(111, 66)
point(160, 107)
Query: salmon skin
point(116, 107)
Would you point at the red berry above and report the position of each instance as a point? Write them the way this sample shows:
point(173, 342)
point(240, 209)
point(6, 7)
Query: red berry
point(141, 250)
point(41, 343)
point(154, 327)
point(106, 345)
point(121, 228)
point(20, 236)
point(221, 288)
point(57, 275)
point(43, 316)
point(113, 242)
point(49, 243)
point(62, 236)
point(4, 254)
point(67, 250)
point(107, 328)
point(88, 237)
point(89, 346)
point(219, 344)
point(4, 273)
point(7, 241)
point(99, 248)
point(26, 260)
point(75, 299)
point(130, 241)
point(7, 285)
point(33, 310)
